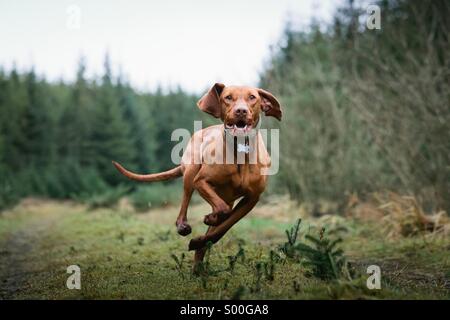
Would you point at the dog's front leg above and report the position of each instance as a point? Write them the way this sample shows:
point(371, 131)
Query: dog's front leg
point(219, 206)
point(183, 228)
point(242, 208)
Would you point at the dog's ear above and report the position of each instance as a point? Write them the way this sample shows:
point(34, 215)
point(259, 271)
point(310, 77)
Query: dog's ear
point(210, 102)
point(270, 104)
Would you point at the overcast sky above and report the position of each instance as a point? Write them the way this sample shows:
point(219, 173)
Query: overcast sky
point(193, 43)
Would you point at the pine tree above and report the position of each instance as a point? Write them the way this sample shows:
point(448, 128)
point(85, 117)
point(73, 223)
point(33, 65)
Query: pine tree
point(13, 104)
point(172, 111)
point(75, 122)
point(37, 124)
point(110, 132)
point(142, 127)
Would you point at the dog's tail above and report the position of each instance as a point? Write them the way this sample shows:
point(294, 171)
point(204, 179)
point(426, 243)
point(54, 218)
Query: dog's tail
point(161, 176)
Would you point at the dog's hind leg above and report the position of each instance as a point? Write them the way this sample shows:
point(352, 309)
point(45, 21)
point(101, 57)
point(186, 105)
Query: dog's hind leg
point(215, 219)
point(199, 255)
point(242, 208)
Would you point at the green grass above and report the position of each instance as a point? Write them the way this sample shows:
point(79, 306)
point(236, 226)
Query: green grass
point(124, 255)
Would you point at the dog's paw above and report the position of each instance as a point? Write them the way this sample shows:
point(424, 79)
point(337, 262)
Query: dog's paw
point(197, 243)
point(184, 229)
point(211, 219)
point(215, 219)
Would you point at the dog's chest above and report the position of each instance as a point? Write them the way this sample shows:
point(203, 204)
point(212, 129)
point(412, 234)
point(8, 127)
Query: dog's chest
point(246, 177)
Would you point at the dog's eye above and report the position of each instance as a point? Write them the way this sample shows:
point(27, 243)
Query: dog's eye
point(229, 97)
point(252, 97)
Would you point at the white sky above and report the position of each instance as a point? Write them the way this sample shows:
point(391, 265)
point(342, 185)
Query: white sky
point(193, 43)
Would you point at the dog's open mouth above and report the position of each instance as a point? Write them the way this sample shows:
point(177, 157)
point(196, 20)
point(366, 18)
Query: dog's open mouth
point(239, 127)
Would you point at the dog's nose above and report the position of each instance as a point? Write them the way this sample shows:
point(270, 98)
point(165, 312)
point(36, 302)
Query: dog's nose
point(241, 111)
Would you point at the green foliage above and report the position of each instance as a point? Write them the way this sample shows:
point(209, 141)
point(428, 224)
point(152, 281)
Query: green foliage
point(321, 255)
point(106, 198)
point(58, 140)
point(172, 111)
point(238, 294)
point(269, 266)
point(234, 258)
point(145, 197)
point(288, 248)
point(179, 263)
point(366, 109)
point(326, 260)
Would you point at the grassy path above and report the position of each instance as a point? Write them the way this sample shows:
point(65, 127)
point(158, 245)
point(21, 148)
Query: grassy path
point(18, 244)
point(128, 255)
point(12, 271)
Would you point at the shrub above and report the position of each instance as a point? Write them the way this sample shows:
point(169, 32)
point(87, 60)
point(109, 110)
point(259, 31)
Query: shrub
point(155, 195)
point(106, 198)
point(326, 260)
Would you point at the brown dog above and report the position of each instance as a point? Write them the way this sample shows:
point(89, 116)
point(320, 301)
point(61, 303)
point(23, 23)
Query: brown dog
point(222, 183)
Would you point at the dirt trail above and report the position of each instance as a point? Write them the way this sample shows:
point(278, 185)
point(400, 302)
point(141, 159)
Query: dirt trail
point(15, 254)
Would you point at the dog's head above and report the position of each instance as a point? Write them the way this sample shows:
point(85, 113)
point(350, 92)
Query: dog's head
point(239, 107)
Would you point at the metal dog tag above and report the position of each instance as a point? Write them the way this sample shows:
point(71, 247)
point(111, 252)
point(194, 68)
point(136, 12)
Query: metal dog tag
point(243, 148)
